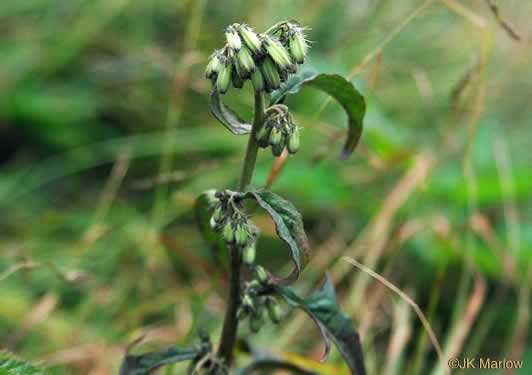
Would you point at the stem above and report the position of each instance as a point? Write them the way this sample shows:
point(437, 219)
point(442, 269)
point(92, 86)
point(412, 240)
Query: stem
point(225, 350)
point(253, 147)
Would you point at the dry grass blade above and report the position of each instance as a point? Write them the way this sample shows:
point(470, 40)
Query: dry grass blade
point(408, 300)
point(506, 25)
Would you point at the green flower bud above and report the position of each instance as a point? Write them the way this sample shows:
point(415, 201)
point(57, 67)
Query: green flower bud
point(263, 135)
point(277, 52)
point(297, 46)
point(255, 323)
point(257, 80)
point(247, 303)
point(261, 275)
point(233, 39)
point(224, 78)
point(241, 234)
point(242, 312)
point(251, 40)
point(213, 223)
point(236, 78)
point(229, 234)
point(275, 136)
point(245, 62)
point(293, 141)
point(217, 214)
point(274, 309)
point(277, 149)
point(270, 74)
point(248, 255)
point(214, 66)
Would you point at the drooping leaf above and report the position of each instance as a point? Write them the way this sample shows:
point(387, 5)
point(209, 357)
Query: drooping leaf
point(10, 365)
point(227, 116)
point(289, 227)
point(340, 89)
point(203, 213)
point(323, 308)
point(144, 364)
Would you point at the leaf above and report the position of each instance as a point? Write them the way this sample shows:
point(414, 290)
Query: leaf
point(203, 213)
point(289, 227)
point(323, 308)
point(270, 365)
point(227, 116)
point(10, 365)
point(143, 364)
point(339, 88)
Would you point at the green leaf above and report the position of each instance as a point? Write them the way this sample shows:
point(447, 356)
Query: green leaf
point(144, 364)
point(289, 227)
point(339, 88)
point(323, 308)
point(10, 365)
point(227, 116)
point(203, 212)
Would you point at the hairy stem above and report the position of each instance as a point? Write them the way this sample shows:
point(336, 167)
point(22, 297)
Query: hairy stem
point(225, 351)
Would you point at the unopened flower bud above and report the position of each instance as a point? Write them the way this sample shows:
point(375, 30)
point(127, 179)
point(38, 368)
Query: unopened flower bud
point(242, 312)
point(236, 78)
point(245, 62)
point(224, 78)
point(233, 39)
point(251, 40)
point(293, 141)
point(247, 303)
point(275, 136)
point(274, 309)
point(263, 135)
point(248, 254)
point(277, 52)
point(257, 80)
point(271, 75)
point(217, 214)
point(213, 224)
point(277, 148)
point(229, 233)
point(297, 45)
point(241, 234)
point(261, 275)
point(214, 66)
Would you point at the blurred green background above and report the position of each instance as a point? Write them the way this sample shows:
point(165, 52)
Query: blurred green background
point(106, 139)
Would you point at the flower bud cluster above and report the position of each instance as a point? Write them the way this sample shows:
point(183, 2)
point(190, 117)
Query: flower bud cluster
point(265, 59)
point(228, 218)
point(279, 131)
point(258, 307)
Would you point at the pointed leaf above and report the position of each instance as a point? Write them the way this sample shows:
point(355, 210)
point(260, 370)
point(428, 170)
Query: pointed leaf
point(144, 364)
point(323, 308)
point(340, 89)
point(227, 116)
point(289, 227)
point(10, 365)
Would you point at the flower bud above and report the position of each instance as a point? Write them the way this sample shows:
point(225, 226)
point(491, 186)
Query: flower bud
point(293, 141)
point(214, 66)
point(271, 75)
point(237, 79)
point(274, 309)
point(263, 135)
point(241, 234)
point(277, 52)
point(277, 148)
point(248, 255)
point(255, 323)
point(229, 234)
point(250, 39)
point(261, 275)
point(233, 39)
point(297, 46)
point(245, 62)
point(224, 78)
point(247, 303)
point(257, 80)
point(217, 214)
point(213, 224)
point(242, 312)
point(275, 136)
